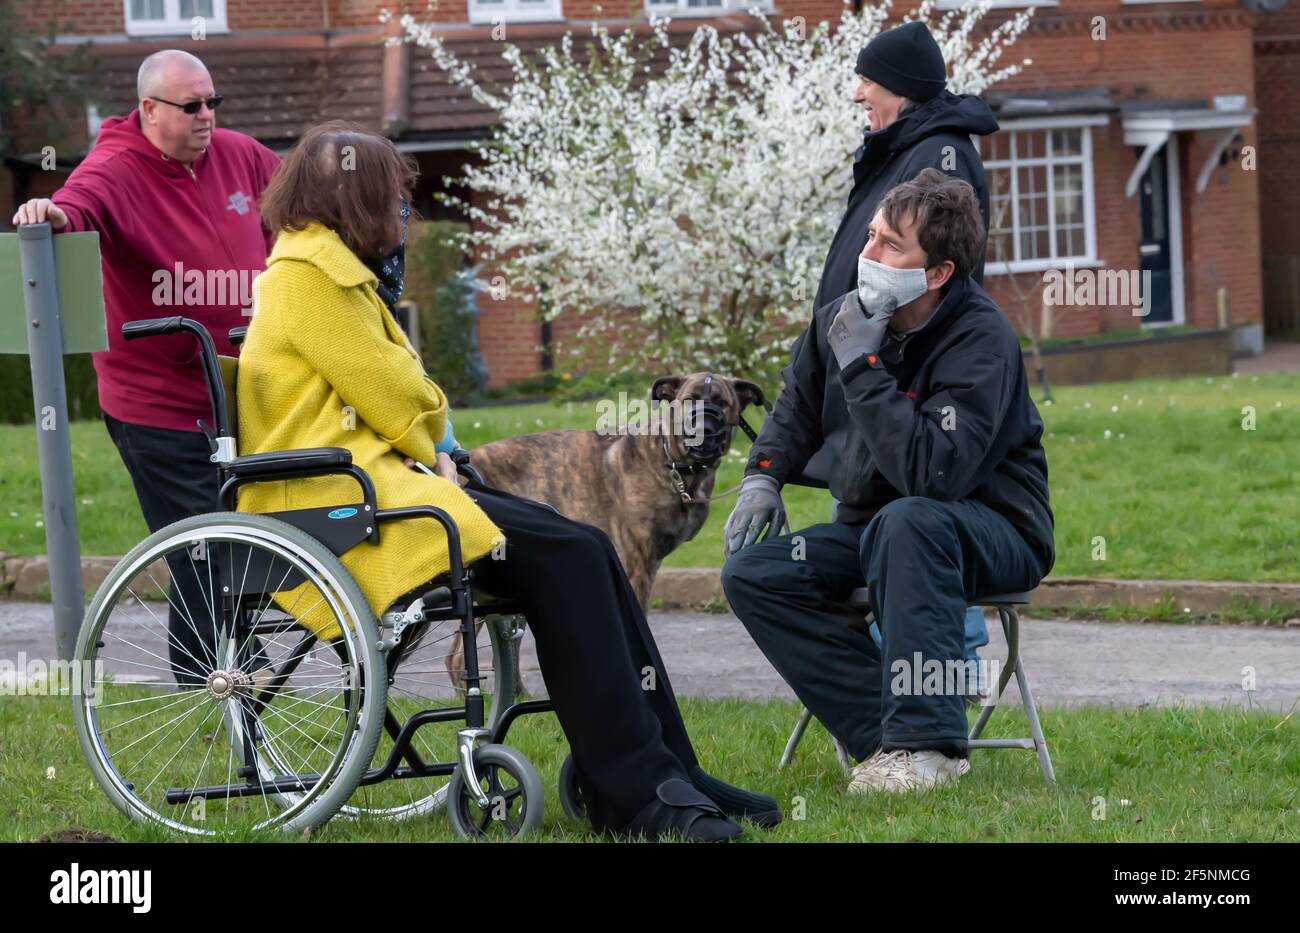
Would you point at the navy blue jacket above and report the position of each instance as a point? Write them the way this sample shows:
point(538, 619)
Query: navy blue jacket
point(943, 412)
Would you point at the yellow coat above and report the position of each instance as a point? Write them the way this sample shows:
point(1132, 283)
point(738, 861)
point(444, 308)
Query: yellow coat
point(325, 365)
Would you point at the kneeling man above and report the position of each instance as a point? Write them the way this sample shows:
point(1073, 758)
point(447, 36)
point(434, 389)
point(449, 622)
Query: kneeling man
point(916, 383)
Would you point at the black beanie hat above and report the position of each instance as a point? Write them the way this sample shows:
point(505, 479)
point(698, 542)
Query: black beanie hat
point(905, 61)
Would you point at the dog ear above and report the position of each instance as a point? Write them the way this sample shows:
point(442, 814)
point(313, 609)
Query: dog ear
point(666, 387)
point(748, 393)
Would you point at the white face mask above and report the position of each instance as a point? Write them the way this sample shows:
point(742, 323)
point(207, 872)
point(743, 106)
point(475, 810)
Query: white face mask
point(883, 289)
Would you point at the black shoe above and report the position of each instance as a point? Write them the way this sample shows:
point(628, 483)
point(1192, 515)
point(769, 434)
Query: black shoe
point(759, 809)
point(681, 811)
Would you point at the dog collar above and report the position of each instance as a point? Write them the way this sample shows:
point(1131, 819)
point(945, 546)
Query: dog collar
point(677, 467)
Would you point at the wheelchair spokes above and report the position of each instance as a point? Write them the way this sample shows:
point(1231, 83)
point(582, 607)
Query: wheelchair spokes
point(215, 710)
point(426, 698)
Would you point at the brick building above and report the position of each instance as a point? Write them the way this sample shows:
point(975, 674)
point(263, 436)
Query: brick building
point(1126, 146)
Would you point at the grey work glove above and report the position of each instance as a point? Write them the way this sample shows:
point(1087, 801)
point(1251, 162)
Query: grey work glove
point(758, 506)
point(854, 333)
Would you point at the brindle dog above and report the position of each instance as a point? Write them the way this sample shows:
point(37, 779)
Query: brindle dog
point(648, 492)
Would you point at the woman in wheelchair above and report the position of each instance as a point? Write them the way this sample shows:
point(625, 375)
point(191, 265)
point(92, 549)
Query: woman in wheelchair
point(324, 364)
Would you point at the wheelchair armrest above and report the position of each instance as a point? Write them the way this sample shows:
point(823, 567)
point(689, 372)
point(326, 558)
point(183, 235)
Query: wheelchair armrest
point(290, 461)
point(299, 464)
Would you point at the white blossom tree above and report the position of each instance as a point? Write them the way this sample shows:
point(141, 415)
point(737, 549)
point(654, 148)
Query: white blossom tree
point(679, 200)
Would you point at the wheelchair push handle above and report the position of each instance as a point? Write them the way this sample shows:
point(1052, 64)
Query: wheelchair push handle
point(152, 327)
point(162, 326)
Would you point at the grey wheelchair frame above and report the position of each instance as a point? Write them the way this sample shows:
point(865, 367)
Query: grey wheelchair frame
point(448, 598)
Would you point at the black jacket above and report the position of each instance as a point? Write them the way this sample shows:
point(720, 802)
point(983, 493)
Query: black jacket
point(919, 139)
point(944, 412)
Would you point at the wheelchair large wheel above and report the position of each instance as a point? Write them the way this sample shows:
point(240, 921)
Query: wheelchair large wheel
point(513, 790)
point(215, 711)
point(424, 676)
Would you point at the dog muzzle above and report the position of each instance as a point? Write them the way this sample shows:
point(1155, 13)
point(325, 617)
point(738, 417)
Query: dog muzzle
point(705, 432)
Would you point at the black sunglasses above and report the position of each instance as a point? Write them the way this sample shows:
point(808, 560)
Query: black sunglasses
point(192, 107)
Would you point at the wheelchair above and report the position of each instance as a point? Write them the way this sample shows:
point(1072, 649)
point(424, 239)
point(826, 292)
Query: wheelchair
point(249, 720)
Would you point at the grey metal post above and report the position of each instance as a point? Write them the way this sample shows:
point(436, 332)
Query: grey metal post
point(53, 434)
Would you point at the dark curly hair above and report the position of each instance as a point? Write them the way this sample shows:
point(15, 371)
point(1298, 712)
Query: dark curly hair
point(947, 218)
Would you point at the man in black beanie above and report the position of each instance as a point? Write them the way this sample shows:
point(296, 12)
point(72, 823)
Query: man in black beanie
point(913, 123)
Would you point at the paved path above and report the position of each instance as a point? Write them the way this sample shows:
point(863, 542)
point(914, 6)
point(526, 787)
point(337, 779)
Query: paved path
point(1278, 356)
point(1069, 663)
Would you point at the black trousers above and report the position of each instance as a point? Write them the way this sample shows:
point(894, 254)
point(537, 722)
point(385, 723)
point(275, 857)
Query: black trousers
point(598, 658)
point(923, 561)
point(175, 478)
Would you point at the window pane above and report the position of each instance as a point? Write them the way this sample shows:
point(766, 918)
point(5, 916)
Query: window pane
point(1030, 144)
point(1031, 180)
point(1067, 179)
point(1000, 247)
point(1067, 209)
point(999, 182)
point(703, 3)
point(1034, 244)
point(997, 147)
point(1067, 189)
point(1067, 141)
point(191, 8)
point(147, 9)
point(1069, 241)
point(1032, 204)
point(999, 213)
point(1032, 212)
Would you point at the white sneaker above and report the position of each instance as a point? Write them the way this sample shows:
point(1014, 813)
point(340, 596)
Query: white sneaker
point(904, 770)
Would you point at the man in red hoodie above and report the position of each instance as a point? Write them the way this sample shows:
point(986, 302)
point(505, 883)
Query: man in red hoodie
point(174, 200)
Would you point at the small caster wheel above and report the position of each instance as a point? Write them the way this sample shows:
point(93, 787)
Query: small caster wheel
point(514, 790)
point(572, 801)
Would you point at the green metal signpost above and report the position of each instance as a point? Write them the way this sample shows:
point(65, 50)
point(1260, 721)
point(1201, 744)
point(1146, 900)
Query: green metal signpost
point(52, 303)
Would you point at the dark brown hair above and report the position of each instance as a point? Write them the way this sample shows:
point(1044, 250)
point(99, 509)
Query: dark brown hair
point(947, 217)
point(347, 178)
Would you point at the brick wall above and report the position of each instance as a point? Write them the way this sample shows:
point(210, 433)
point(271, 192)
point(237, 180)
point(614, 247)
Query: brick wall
point(1175, 50)
point(79, 17)
point(1166, 52)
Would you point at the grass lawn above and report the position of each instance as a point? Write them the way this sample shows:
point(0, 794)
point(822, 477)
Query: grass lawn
point(1178, 489)
point(1184, 774)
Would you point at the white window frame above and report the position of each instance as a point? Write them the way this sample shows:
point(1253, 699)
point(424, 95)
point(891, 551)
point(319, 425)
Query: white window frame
point(678, 9)
point(172, 24)
point(512, 11)
point(1085, 125)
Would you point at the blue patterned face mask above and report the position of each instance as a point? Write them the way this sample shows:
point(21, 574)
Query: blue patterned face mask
point(883, 289)
point(391, 269)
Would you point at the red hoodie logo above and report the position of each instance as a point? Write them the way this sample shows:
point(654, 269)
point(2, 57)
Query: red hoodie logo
point(239, 203)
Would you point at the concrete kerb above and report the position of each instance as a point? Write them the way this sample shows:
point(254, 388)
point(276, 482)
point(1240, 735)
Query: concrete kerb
point(701, 588)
